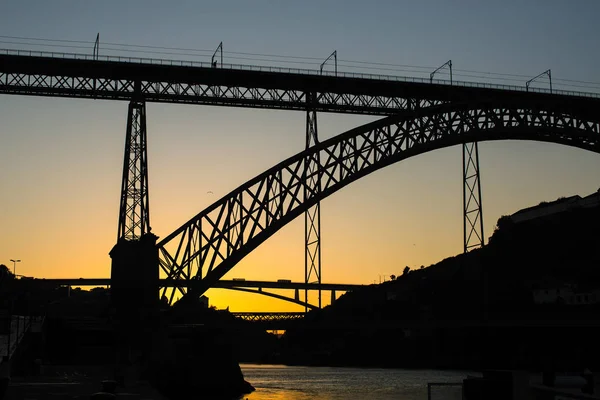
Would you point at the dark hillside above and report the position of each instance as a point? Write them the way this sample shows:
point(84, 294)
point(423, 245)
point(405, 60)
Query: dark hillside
point(475, 308)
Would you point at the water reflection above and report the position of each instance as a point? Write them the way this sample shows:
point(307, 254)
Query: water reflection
point(278, 382)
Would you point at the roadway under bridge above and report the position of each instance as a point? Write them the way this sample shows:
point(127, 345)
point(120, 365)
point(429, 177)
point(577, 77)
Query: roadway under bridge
point(249, 286)
point(221, 284)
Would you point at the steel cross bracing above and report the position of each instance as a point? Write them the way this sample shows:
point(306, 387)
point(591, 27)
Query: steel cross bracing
point(312, 216)
point(70, 64)
point(204, 250)
point(134, 213)
point(47, 76)
point(472, 207)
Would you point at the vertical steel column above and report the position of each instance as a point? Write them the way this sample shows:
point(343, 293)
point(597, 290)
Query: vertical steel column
point(473, 213)
point(134, 212)
point(312, 217)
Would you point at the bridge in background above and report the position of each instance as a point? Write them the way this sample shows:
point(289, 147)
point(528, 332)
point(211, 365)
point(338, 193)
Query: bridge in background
point(418, 116)
point(248, 286)
point(222, 284)
point(287, 320)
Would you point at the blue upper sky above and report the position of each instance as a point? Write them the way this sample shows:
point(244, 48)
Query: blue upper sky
point(522, 37)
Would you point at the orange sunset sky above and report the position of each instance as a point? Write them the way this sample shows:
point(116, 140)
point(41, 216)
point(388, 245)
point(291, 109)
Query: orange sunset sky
point(61, 159)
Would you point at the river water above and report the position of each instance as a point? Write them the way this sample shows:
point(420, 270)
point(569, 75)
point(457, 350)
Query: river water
point(280, 382)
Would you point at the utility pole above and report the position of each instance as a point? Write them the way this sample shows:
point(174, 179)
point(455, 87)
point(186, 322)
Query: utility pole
point(15, 266)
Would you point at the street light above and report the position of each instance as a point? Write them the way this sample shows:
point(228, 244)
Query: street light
point(15, 266)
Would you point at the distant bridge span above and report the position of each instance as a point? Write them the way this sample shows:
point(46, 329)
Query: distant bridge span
point(209, 245)
point(222, 284)
point(247, 286)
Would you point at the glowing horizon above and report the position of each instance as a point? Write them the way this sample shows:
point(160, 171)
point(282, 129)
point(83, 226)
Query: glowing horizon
point(62, 159)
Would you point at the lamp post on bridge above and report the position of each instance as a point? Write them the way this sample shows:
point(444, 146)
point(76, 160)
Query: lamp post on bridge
point(334, 55)
point(213, 62)
point(15, 266)
point(547, 72)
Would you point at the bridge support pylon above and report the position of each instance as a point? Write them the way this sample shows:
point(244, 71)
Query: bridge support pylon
point(135, 265)
point(472, 207)
point(312, 217)
point(134, 210)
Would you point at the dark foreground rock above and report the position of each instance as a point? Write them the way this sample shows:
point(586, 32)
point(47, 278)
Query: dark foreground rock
point(195, 359)
point(175, 358)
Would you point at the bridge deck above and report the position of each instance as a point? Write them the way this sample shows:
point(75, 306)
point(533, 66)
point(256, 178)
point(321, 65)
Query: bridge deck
point(125, 78)
point(223, 284)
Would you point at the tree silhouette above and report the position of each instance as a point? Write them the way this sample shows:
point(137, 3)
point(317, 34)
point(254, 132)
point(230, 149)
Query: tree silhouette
point(5, 272)
point(392, 277)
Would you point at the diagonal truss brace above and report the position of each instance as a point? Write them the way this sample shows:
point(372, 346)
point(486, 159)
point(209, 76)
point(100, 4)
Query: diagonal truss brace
point(205, 248)
point(134, 212)
point(312, 216)
point(473, 212)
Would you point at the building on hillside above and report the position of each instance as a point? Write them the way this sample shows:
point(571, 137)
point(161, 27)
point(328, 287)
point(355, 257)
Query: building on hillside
point(204, 301)
point(552, 294)
point(565, 294)
point(545, 209)
point(593, 200)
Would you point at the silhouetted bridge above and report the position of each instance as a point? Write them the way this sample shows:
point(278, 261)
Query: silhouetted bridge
point(171, 81)
point(420, 116)
point(235, 284)
point(272, 320)
point(289, 320)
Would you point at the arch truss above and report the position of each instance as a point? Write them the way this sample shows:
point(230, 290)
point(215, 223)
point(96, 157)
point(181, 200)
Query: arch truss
point(215, 240)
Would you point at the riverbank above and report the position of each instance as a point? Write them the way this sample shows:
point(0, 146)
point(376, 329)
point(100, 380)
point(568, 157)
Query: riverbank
point(76, 382)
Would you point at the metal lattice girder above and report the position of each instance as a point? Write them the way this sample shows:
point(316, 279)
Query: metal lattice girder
point(203, 249)
point(47, 76)
point(134, 213)
point(312, 216)
point(269, 316)
point(472, 207)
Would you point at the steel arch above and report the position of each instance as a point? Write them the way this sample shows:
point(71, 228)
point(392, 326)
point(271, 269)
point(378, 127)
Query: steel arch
point(276, 296)
point(215, 240)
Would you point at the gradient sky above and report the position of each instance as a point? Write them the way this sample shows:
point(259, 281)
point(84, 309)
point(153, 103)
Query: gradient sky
point(61, 159)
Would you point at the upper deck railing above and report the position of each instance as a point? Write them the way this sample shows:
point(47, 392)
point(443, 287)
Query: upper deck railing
point(284, 70)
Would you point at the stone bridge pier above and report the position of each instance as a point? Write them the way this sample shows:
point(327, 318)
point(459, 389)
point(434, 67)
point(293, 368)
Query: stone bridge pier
point(134, 299)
